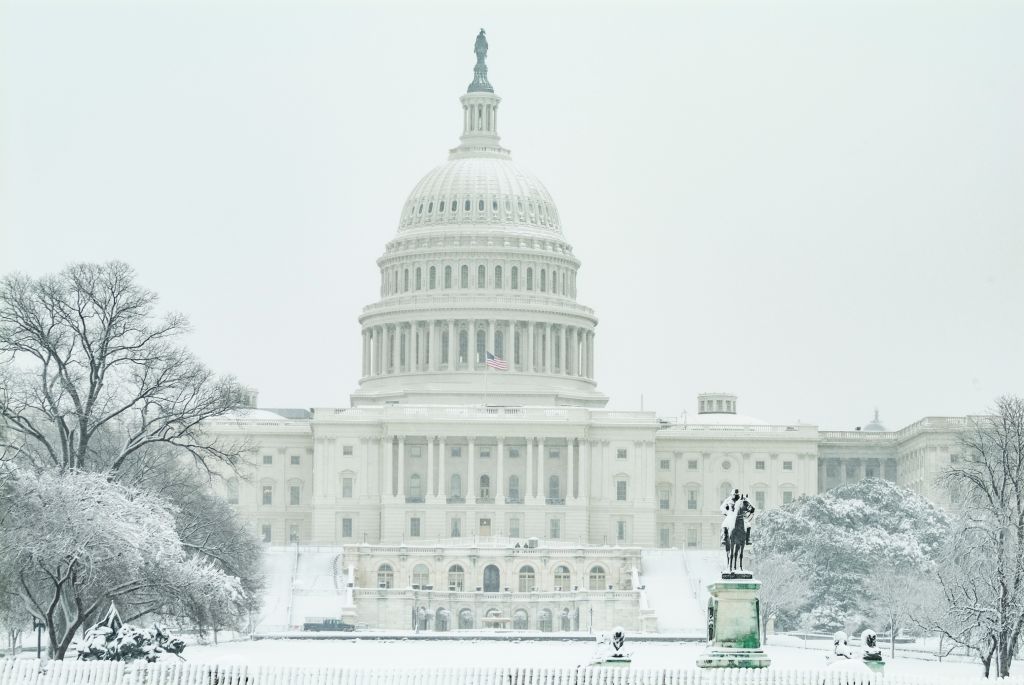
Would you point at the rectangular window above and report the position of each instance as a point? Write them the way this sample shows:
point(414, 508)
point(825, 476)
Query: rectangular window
point(485, 454)
point(415, 451)
point(620, 490)
point(266, 532)
point(293, 532)
point(691, 500)
point(513, 527)
point(663, 503)
point(664, 537)
point(556, 529)
point(296, 460)
point(456, 451)
point(692, 464)
point(553, 454)
point(346, 450)
point(294, 495)
point(346, 528)
point(665, 464)
point(414, 527)
point(759, 465)
point(620, 531)
point(620, 454)
point(759, 499)
point(513, 453)
point(456, 528)
point(787, 466)
point(268, 459)
point(346, 487)
point(692, 536)
point(268, 494)
point(787, 497)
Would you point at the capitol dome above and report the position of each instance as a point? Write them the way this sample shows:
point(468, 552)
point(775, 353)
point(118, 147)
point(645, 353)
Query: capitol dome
point(478, 288)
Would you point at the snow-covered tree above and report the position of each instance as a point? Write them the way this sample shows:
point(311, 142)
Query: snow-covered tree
point(844, 535)
point(784, 587)
point(895, 597)
point(982, 576)
point(71, 542)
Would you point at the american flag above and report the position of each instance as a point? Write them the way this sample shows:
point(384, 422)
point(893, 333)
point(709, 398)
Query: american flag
point(496, 362)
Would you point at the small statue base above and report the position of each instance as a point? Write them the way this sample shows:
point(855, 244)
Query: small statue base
point(725, 657)
point(734, 626)
point(736, 575)
point(876, 665)
point(618, 660)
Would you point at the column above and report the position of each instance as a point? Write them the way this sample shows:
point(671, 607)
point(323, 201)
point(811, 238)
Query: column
point(590, 354)
point(453, 345)
point(584, 470)
point(470, 488)
point(549, 332)
point(490, 336)
point(394, 348)
point(570, 470)
point(499, 486)
point(531, 452)
point(541, 484)
point(471, 346)
point(530, 365)
point(401, 468)
point(442, 482)
point(566, 360)
point(574, 369)
point(365, 355)
point(387, 490)
point(435, 348)
point(429, 489)
point(513, 345)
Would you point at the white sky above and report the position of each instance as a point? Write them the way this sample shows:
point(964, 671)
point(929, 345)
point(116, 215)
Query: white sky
point(817, 206)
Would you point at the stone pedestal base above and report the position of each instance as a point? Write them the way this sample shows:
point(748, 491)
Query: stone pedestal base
point(725, 657)
point(875, 666)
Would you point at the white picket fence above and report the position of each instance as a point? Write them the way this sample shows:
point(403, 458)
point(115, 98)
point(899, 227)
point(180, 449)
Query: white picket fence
point(29, 672)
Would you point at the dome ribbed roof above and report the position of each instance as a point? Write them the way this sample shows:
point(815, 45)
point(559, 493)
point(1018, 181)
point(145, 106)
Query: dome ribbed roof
point(478, 191)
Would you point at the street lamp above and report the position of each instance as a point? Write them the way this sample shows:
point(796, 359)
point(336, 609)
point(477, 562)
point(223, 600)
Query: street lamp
point(38, 626)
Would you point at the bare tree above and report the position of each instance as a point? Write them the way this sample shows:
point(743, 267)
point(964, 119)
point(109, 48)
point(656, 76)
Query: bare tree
point(784, 587)
point(91, 377)
point(896, 596)
point(983, 577)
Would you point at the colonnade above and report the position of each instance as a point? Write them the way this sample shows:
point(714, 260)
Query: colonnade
point(536, 487)
point(460, 345)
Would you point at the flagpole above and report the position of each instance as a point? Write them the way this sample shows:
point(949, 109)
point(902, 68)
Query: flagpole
point(487, 372)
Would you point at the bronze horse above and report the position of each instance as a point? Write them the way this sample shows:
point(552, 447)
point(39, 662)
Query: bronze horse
point(736, 539)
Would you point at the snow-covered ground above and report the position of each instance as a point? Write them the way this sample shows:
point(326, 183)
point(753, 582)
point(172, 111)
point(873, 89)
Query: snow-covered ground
point(787, 654)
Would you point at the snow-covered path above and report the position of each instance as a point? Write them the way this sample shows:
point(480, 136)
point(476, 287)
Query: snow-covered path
point(670, 592)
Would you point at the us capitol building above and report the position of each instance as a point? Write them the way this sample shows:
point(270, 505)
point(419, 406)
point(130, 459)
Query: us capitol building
point(443, 461)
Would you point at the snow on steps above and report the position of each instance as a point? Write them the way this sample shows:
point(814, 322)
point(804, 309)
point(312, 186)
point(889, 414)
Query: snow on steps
point(301, 584)
point(676, 583)
point(28, 672)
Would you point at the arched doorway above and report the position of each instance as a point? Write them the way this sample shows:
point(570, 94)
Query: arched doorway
point(544, 620)
point(520, 620)
point(465, 619)
point(492, 578)
point(441, 620)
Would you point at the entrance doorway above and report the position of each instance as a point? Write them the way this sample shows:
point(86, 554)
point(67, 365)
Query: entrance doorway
point(485, 527)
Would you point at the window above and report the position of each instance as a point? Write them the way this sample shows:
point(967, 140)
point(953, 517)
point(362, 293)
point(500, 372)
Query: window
point(433, 277)
point(555, 527)
point(467, 206)
point(346, 486)
point(485, 486)
point(481, 346)
point(346, 528)
point(664, 496)
point(759, 465)
point(463, 347)
point(513, 490)
point(692, 464)
point(620, 491)
point(415, 485)
point(515, 278)
point(692, 536)
point(266, 531)
point(543, 280)
point(293, 532)
point(456, 578)
point(419, 278)
point(447, 277)
point(620, 531)
point(691, 499)
point(665, 464)
point(529, 278)
point(268, 459)
point(554, 282)
point(563, 579)
point(553, 488)
point(296, 460)
point(456, 451)
point(480, 205)
point(294, 495)
point(553, 454)
point(787, 466)
point(414, 527)
point(385, 576)
point(464, 276)
point(232, 490)
point(620, 454)
point(513, 527)
point(498, 277)
point(405, 281)
point(420, 575)
point(481, 276)
point(455, 486)
point(597, 578)
point(268, 494)
point(787, 497)
point(759, 499)
point(527, 579)
point(513, 452)
point(724, 490)
point(726, 465)
point(456, 528)
point(485, 453)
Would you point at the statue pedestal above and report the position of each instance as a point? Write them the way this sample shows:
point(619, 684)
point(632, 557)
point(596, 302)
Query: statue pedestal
point(734, 626)
point(876, 666)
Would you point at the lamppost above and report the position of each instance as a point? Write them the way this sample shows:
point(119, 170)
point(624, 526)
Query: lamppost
point(38, 626)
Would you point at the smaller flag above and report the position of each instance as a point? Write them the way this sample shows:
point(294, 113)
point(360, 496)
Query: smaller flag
point(496, 362)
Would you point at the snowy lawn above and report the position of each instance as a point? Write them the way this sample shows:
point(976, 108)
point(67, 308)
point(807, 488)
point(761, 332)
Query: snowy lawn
point(435, 653)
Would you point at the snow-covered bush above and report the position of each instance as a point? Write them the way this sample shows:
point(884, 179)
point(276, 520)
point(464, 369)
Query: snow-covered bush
point(128, 643)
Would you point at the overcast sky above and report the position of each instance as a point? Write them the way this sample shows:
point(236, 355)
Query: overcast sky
point(817, 206)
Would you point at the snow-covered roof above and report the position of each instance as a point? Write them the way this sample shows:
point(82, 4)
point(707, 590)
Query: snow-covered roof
point(247, 414)
point(722, 419)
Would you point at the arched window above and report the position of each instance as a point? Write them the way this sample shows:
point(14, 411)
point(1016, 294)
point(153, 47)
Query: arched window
point(421, 575)
point(465, 619)
point(464, 276)
point(554, 492)
point(515, 278)
point(456, 578)
point(440, 206)
point(480, 205)
point(724, 490)
point(385, 576)
point(405, 286)
point(527, 579)
point(481, 346)
point(498, 277)
point(520, 620)
point(468, 205)
point(492, 578)
point(529, 278)
point(433, 277)
point(481, 276)
point(447, 277)
point(518, 346)
point(554, 282)
point(415, 485)
point(543, 280)
point(485, 486)
point(563, 579)
point(232, 490)
point(455, 205)
point(544, 620)
point(499, 344)
point(419, 278)
point(598, 579)
point(513, 489)
point(444, 347)
point(463, 347)
point(455, 489)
